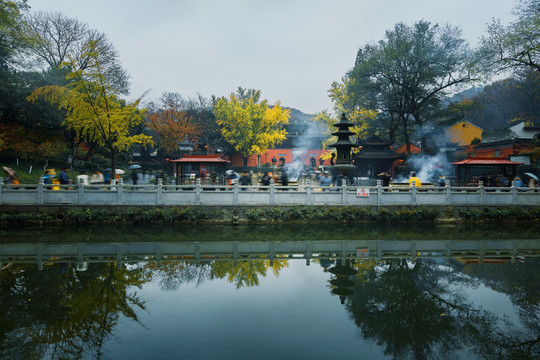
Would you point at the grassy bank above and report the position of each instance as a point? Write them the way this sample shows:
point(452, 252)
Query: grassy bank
point(303, 214)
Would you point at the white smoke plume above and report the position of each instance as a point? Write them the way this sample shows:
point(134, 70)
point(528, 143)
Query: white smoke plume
point(428, 168)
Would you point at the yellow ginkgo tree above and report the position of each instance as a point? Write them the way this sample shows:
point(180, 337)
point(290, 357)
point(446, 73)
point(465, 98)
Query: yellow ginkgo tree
point(250, 125)
point(94, 109)
point(362, 118)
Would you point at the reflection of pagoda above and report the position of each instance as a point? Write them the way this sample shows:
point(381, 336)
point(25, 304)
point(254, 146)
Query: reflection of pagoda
point(376, 156)
point(342, 282)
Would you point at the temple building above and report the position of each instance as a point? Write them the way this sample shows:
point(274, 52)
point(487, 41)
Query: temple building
point(375, 156)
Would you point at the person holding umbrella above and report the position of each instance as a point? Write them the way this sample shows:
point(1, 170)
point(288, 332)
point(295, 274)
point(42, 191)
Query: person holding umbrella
point(12, 176)
point(134, 176)
point(533, 180)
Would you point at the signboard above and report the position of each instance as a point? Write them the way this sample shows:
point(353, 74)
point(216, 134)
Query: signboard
point(362, 192)
point(362, 253)
point(525, 159)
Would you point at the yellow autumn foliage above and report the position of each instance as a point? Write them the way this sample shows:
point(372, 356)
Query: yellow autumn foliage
point(249, 125)
point(93, 108)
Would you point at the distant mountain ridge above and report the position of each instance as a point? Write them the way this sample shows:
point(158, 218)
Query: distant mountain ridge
point(298, 115)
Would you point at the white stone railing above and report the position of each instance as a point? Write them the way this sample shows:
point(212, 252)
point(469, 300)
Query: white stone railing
point(273, 195)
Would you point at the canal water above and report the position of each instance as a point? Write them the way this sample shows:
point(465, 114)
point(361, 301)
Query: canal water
point(270, 292)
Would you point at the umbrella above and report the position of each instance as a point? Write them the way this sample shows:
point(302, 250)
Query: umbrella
point(9, 171)
point(116, 171)
point(528, 174)
point(134, 167)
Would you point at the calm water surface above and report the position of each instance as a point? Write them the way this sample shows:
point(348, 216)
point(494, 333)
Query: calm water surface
point(270, 292)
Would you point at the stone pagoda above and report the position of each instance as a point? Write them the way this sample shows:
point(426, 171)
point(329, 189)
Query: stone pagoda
point(343, 146)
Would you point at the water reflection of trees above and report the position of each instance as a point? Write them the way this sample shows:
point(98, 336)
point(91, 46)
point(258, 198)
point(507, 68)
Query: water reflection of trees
point(420, 310)
point(242, 273)
point(521, 282)
point(60, 313)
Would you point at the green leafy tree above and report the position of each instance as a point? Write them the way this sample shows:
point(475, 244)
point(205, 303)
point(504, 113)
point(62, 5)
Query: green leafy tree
point(248, 123)
point(515, 45)
point(11, 46)
point(11, 22)
point(407, 73)
point(94, 109)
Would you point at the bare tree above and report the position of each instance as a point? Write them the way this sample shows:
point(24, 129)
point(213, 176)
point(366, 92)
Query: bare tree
point(55, 39)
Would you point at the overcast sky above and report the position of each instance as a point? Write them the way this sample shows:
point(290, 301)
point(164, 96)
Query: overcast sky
point(292, 50)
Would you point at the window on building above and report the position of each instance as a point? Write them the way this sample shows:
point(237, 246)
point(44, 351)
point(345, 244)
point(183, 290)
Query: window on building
point(497, 153)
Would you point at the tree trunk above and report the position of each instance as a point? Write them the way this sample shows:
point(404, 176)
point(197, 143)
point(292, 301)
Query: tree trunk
point(245, 160)
point(405, 120)
point(113, 164)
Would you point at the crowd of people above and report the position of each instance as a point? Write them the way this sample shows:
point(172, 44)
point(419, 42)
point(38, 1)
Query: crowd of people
point(95, 178)
point(324, 179)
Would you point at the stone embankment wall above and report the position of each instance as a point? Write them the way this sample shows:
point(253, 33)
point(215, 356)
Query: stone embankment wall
point(232, 214)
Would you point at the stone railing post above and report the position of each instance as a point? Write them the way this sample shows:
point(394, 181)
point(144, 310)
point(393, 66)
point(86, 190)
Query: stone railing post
point(40, 188)
point(482, 192)
point(198, 190)
point(344, 192)
point(235, 193)
point(159, 193)
point(413, 194)
point(379, 192)
point(448, 194)
point(1, 188)
point(271, 192)
point(120, 191)
point(309, 199)
point(82, 200)
point(514, 193)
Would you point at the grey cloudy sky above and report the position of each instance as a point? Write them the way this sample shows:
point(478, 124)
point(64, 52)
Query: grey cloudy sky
point(290, 49)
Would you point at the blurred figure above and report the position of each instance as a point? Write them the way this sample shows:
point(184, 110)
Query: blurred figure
point(519, 183)
point(414, 181)
point(48, 176)
point(385, 178)
point(284, 178)
point(134, 177)
point(97, 178)
point(503, 181)
point(265, 179)
point(64, 178)
point(441, 181)
point(245, 180)
point(107, 177)
point(83, 179)
point(483, 180)
point(11, 177)
point(326, 180)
